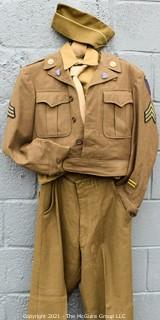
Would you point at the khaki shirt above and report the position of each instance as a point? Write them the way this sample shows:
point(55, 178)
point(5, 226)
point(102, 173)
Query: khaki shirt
point(91, 59)
point(45, 132)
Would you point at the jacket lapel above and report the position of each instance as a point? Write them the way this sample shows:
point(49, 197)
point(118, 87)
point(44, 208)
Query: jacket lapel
point(105, 72)
point(56, 69)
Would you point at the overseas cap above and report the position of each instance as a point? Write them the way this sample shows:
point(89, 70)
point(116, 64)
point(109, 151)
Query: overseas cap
point(80, 26)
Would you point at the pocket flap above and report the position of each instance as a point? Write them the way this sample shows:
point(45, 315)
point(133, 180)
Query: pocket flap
point(120, 98)
point(52, 98)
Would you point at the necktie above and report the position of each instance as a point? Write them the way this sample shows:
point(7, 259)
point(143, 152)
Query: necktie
point(75, 72)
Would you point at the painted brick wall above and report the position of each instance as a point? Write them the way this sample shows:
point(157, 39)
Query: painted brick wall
point(25, 35)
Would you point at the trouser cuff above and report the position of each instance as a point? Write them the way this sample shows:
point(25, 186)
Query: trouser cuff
point(47, 308)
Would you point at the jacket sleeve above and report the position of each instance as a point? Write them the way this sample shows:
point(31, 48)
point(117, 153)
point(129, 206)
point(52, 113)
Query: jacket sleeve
point(144, 147)
point(38, 154)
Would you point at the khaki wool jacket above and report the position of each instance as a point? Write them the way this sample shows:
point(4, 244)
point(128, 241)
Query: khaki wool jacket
point(45, 132)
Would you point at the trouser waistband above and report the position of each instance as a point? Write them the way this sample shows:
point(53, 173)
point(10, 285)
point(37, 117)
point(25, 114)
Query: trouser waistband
point(76, 177)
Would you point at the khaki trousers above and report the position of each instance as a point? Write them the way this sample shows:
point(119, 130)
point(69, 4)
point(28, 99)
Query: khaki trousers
point(83, 237)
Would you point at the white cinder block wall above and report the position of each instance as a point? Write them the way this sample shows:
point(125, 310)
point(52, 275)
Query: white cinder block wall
point(25, 35)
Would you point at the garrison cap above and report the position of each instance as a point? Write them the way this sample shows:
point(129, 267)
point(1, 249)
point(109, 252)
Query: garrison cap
point(81, 26)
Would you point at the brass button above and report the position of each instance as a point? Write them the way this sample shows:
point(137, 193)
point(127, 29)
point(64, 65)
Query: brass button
point(74, 119)
point(79, 141)
point(70, 98)
point(113, 64)
point(50, 61)
point(58, 160)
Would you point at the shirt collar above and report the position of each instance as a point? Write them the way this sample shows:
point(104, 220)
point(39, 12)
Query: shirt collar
point(69, 58)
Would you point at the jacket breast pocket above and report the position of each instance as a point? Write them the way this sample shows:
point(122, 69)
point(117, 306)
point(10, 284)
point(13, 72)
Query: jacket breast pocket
point(117, 114)
point(52, 114)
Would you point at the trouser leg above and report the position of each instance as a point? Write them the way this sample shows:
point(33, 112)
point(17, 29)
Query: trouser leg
point(48, 290)
point(56, 268)
point(83, 237)
point(69, 220)
point(106, 265)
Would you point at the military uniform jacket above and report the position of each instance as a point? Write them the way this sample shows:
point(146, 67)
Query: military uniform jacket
point(45, 132)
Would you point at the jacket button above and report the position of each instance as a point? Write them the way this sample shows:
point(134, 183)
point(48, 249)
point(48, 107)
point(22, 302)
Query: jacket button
point(50, 61)
point(79, 141)
point(74, 119)
point(58, 161)
point(113, 64)
point(70, 98)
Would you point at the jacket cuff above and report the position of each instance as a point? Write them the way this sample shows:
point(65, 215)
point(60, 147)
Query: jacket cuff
point(129, 206)
point(57, 153)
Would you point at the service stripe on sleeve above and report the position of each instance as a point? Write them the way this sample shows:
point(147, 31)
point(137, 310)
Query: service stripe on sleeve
point(11, 111)
point(132, 183)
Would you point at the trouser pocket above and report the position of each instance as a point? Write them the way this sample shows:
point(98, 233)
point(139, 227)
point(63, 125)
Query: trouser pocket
point(47, 197)
point(127, 213)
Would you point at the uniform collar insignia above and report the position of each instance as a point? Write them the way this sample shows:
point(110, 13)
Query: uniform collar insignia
point(49, 61)
point(54, 61)
point(111, 61)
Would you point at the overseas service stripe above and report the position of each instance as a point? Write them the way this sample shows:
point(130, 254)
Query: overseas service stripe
point(130, 180)
point(11, 111)
point(131, 184)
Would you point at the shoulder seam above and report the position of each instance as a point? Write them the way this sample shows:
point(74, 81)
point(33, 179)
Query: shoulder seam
point(34, 62)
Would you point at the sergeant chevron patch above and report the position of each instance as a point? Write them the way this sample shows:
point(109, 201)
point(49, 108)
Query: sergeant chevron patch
point(150, 113)
point(11, 111)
